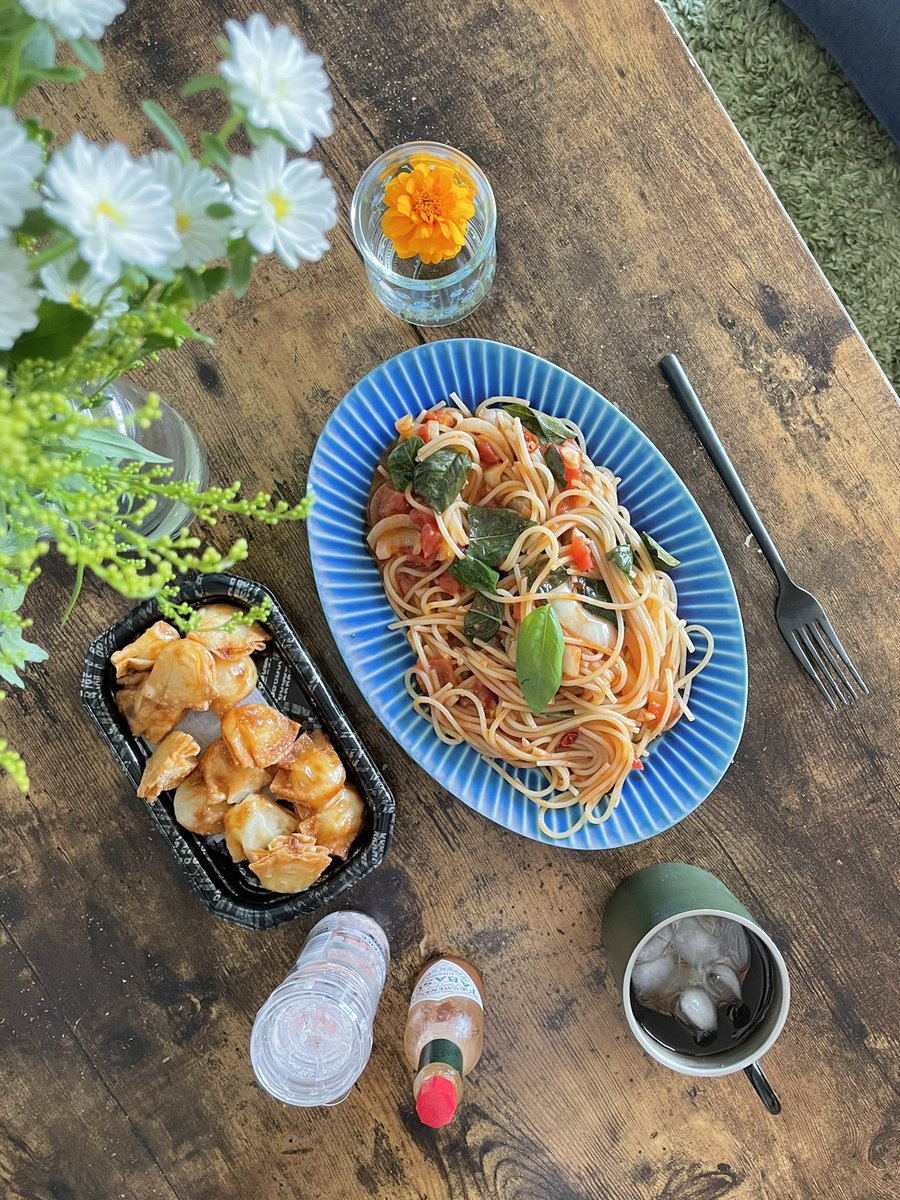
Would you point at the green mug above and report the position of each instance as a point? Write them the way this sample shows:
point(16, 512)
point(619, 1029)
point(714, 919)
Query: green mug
point(643, 905)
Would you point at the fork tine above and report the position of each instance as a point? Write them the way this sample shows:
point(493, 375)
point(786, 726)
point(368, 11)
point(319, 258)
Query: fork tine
point(797, 646)
point(820, 662)
point(836, 642)
point(839, 669)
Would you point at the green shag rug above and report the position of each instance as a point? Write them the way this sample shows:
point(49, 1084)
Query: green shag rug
point(835, 169)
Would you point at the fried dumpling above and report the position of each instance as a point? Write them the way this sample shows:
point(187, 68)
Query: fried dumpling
point(170, 764)
point(311, 772)
point(236, 642)
point(257, 735)
point(146, 719)
point(140, 655)
point(251, 825)
point(183, 677)
point(225, 780)
point(335, 827)
point(196, 810)
point(291, 864)
point(235, 680)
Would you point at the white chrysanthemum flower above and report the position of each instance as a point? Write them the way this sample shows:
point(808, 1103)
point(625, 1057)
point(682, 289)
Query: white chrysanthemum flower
point(76, 18)
point(88, 292)
point(193, 188)
point(21, 159)
point(280, 84)
point(116, 207)
point(18, 299)
point(285, 207)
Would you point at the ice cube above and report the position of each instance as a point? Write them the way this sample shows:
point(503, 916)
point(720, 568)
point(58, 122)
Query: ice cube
point(697, 1010)
point(656, 982)
point(657, 945)
point(722, 983)
point(737, 945)
point(694, 943)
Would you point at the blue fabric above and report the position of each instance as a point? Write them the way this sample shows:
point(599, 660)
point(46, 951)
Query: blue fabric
point(863, 36)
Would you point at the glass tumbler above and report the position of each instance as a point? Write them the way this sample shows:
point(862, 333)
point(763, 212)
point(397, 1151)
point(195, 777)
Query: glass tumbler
point(417, 292)
point(312, 1038)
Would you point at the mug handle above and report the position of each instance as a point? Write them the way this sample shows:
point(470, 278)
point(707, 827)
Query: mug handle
point(763, 1088)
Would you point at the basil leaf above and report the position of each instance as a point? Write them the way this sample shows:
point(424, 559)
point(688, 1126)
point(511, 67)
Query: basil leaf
point(544, 427)
point(596, 589)
point(439, 479)
point(623, 557)
point(402, 463)
point(553, 459)
point(493, 532)
point(475, 574)
point(661, 559)
point(555, 579)
point(539, 657)
point(483, 620)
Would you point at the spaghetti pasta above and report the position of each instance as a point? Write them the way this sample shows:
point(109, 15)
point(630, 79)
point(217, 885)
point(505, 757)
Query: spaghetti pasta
point(533, 512)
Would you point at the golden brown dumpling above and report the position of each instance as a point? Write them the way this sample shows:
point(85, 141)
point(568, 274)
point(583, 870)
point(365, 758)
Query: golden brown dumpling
point(233, 643)
point(292, 863)
point(140, 655)
point(235, 680)
point(170, 764)
point(251, 825)
point(196, 810)
point(337, 824)
point(311, 773)
point(225, 780)
point(183, 676)
point(257, 735)
point(146, 719)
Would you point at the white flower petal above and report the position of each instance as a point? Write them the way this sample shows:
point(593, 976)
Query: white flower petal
point(281, 85)
point(18, 299)
point(21, 158)
point(285, 207)
point(116, 207)
point(89, 292)
point(193, 188)
point(76, 18)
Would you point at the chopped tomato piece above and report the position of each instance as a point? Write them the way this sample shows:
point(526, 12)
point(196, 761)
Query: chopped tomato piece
point(568, 739)
point(567, 504)
point(442, 670)
point(487, 697)
point(580, 551)
point(530, 440)
point(443, 416)
point(655, 706)
point(432, 540)
point(388, 502)
point(449, 583)
point(487, 452)
point(571, 458)
point(429, 430)
point(637, 765)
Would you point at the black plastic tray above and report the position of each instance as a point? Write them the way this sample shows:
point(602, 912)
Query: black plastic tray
point(288, 679)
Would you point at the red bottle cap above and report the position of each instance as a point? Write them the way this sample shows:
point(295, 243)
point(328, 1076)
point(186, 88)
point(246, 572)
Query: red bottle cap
point(436, 1102)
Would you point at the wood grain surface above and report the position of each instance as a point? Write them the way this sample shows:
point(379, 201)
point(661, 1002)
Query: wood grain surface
point(632, 222)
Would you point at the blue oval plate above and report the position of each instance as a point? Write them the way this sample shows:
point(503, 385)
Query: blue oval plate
point(684, 765)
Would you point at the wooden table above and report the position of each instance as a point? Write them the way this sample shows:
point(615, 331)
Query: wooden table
point(632, 222)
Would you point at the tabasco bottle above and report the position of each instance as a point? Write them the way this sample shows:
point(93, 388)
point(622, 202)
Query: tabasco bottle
point(444, 1035)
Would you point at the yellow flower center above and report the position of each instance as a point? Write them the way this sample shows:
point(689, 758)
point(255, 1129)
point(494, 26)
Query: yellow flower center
point(75, 298)
point(281, 206)
point(105, 209)
point(183, 221)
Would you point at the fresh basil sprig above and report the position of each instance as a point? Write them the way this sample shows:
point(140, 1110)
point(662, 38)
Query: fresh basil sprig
point(596, 589)
point(539, 657)
point(483, 619)
point(623, 557)
point(661, 558)
point(475, 574)
point(439, 478)
point(402, 462)
point(493, 532)
point(554, 461)
point(545, 428)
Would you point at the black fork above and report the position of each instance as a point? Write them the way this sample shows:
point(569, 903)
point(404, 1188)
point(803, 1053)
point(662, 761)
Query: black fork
point(800, 616)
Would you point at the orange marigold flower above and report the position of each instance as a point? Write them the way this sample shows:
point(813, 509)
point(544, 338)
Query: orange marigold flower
point(428, 210)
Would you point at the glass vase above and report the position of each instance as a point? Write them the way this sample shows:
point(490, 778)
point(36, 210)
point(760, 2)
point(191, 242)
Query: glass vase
point(418, 292)
point(170, 436)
